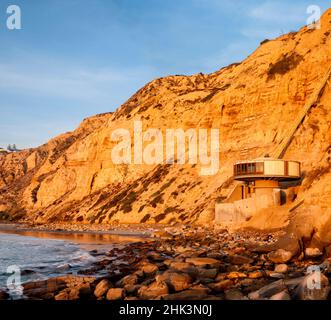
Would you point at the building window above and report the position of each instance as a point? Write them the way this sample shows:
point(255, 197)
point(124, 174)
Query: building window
point(260, 167)
point(249, 168)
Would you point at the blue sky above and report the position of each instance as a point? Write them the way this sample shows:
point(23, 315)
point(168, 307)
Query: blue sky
point(77, 58)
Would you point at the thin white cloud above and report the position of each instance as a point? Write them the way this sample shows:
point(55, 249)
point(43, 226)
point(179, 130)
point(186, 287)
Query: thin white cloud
point(69, 81)
point(271, 19)
point(279, 12)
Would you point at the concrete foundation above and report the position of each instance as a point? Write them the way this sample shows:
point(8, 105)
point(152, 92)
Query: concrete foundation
point(242, 210)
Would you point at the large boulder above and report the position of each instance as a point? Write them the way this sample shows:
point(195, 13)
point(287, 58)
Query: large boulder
point(115, 294)
point(280, 256)
point(68, 294)
point(154, 290)
point(175, 280)
point(102, 288)
point(131, 279)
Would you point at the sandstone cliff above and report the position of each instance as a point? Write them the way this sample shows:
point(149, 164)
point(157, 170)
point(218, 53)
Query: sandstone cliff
point(252, 103)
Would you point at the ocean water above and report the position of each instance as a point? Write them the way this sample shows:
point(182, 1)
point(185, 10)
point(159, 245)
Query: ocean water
point(39, 255)
point(39, 258)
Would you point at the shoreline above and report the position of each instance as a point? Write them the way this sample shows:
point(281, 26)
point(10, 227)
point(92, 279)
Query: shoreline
point(189, 263)
point(125, 230)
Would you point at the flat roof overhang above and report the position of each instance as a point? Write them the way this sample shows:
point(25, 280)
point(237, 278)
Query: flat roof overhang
point(254, 177)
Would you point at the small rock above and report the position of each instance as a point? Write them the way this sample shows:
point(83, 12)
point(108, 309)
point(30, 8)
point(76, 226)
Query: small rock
point(207, 273)
point(131, 279)
point(156, 289)
point(280, 256)
point(183, 267)
point(115, 294)
point(236, 275)
point(281, 268)
point(221, 286)
point(176, 281)
point(275, 275)
point(149, 268)
point(255, 275)
point(68, 295)
point(239, 250)
point(204, 262)
point(63, 268)
point(313, 253)
point(102, 288)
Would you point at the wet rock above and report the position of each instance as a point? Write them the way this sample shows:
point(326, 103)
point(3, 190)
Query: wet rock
point(154, 290)
point(115, 294)
point(284, 295)
point(102, 288)
point(268, 291)
point(314, 286)
point(63, 268)
point(44, 289)
point(68, 294)
point(175, 281)
point(204, 262)
point(281, 268)
point(280, 256)
point(131, 279)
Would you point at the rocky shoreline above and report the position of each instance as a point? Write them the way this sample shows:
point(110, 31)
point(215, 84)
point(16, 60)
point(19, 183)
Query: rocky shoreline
point(191, 263)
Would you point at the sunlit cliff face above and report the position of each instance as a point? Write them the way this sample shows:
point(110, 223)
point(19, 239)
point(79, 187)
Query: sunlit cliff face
point(73, 178)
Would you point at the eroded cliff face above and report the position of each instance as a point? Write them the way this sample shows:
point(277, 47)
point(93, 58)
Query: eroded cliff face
point(253, 104)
